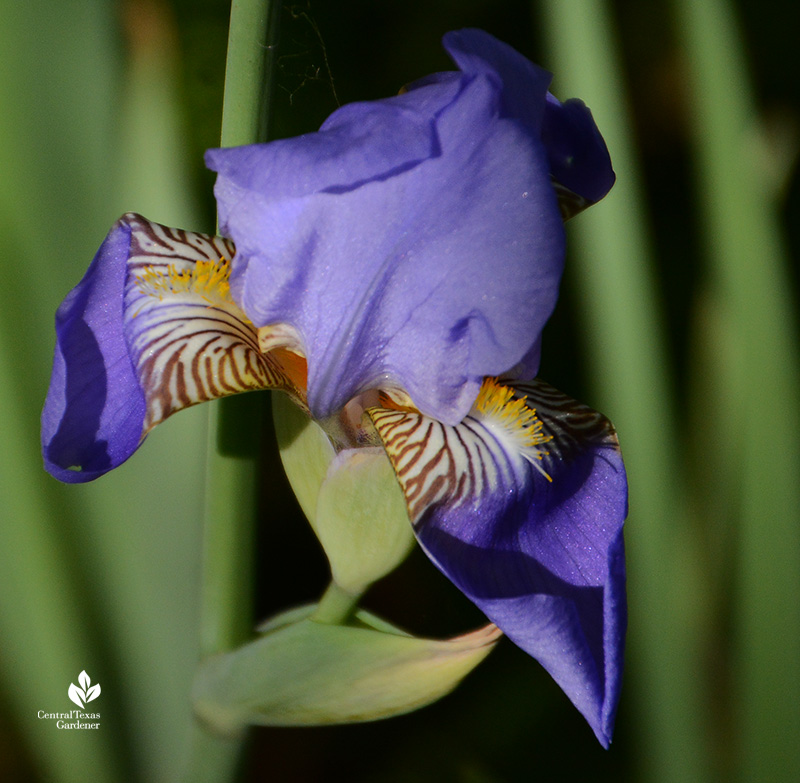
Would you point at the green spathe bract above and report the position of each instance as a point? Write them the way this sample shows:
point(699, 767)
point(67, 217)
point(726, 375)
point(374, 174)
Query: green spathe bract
point(309, 673)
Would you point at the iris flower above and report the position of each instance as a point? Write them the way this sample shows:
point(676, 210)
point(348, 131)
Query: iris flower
point(392, 273)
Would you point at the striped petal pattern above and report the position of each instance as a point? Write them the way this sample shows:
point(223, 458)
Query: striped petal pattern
point(150, 329)
point(521, 505)
point(188, 340)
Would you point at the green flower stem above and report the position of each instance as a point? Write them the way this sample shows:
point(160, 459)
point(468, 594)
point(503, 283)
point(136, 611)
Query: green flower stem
point(231, 479)
point(231, 485)
point(336, 606)
point(759, 387)
point(248, 85)
point(613, 274)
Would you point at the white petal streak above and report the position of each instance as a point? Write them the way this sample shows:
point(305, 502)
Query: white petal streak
point(187, 338)
point(438, 464)
point(457, 466)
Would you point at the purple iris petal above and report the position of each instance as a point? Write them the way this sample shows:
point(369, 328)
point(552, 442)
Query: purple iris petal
point(545, 562)
point(578, 155)
point(527, 523)
point(549, 571)
point(95, 407)
point(522, 84)
point(414, 241)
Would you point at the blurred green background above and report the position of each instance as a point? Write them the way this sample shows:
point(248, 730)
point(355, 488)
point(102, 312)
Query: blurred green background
point(677, 320)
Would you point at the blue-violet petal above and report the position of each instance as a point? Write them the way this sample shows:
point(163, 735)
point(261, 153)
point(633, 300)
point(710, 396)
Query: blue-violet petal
point(521, 505)
point(413, 242)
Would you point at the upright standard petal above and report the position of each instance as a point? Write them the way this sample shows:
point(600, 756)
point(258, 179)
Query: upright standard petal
point(521, 505)
point(412, 242)
point(149, 330)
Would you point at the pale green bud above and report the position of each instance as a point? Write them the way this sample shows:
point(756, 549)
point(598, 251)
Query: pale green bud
point(306, 452)
point(361, 519)
point(352, 500)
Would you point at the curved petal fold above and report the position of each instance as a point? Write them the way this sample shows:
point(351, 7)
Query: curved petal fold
point(150, 329)
point(579, 161)
point(92, 418)
point(413, 242)
point(521, 505)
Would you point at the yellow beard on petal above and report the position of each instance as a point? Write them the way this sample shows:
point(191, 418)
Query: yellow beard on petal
point(207, 279)
point(194, 343)
point(510, 416)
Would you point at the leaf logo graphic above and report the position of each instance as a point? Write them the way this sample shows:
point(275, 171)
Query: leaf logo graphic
point(86, 693)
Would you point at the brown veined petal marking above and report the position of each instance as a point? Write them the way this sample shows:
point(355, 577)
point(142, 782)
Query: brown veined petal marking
point(516, 432)
point(187, 338)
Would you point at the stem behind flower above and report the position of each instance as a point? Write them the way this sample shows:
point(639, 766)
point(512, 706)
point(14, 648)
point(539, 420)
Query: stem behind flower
point(232, 471)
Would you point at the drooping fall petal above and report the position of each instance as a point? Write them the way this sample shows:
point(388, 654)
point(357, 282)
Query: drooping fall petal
point(150, 329)
point(521, 505)
point(92, 418)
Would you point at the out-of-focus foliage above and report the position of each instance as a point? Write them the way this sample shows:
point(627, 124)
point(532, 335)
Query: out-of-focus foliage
point(104, 577)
